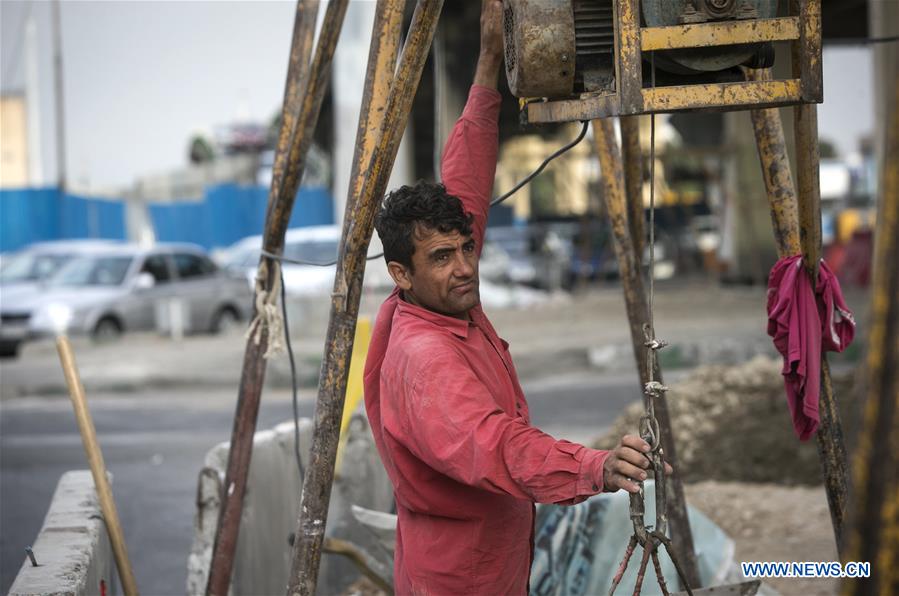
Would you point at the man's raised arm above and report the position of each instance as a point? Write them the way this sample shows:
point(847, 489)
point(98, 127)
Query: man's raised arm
point(491, 57)
point(469, 158)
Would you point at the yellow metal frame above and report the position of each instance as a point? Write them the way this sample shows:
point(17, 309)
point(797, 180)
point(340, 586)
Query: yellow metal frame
point(802, 29)
point(716, 34)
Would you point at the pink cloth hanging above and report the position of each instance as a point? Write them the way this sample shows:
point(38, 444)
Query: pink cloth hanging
point(802, 324)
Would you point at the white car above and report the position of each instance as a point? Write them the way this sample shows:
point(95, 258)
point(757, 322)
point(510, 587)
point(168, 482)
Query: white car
point(313, 244)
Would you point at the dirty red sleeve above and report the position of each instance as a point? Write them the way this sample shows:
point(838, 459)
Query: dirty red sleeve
point(448, 419)
point(468, 166)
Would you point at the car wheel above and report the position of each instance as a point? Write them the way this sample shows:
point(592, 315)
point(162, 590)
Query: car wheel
point(107, 330)
point(225, 320)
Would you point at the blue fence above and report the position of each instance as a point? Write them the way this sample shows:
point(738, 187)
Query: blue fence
point(35, 214)
point(227, 213)
point(230, 212)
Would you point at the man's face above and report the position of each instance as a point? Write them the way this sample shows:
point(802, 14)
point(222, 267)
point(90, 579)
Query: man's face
point(444, 274)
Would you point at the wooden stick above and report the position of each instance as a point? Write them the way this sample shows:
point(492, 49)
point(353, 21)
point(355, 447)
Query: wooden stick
point(638, 314)
point(98, 466)
point(357, 229)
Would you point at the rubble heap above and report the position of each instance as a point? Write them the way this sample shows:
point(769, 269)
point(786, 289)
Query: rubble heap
point(731, 423)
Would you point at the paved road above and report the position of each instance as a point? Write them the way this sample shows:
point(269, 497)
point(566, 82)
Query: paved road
point(154, 443)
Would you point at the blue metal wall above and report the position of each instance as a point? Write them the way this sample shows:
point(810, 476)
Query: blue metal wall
point(35, 214)
point(230, 212)
point(227, 213)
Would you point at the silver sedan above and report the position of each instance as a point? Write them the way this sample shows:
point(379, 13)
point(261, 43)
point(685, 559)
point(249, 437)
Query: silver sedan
point(170, 287)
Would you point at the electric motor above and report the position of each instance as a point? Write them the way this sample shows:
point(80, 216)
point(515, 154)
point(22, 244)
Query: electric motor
point(562, 48)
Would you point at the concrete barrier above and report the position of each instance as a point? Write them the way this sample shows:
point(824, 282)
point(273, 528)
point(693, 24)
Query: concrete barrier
point(72, 549)
point(271, 508)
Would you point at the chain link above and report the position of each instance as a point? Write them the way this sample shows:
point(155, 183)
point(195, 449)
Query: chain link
point(647, 536)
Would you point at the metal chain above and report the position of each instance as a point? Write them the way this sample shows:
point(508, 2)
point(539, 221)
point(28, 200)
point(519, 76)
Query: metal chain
point(647, 536)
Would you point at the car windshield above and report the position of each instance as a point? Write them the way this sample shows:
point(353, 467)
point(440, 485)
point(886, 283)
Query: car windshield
point(94, 271)
point(29, 266)
point(312, 251)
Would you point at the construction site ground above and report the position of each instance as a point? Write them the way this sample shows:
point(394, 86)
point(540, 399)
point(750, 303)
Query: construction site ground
point(575, 358)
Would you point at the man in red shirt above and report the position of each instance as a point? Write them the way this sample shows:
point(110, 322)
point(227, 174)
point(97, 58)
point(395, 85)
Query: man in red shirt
point(447, 412)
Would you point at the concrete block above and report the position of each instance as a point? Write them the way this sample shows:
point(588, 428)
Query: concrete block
point(262, 560)
point(72, 550)
point(271, 510)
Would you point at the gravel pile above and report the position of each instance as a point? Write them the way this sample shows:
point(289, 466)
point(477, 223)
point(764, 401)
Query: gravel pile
point(731, 423)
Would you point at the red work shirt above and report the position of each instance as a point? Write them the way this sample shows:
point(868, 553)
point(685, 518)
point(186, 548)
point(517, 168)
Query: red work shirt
point(451, 422)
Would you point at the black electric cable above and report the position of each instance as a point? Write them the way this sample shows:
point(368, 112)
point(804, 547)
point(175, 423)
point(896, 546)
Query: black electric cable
point(293, 381)
point(284, 259)
point(493, 202)
point(546, 161)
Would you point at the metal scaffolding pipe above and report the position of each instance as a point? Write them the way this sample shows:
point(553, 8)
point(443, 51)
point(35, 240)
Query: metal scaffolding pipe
point(633, 179)
point(796, 218)
point(872, 535)
point(772, 148)
point(357, 231)
point(831, 444)
point(303, 95)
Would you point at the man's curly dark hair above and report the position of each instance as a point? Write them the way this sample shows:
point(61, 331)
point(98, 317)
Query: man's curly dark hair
point(408, 208)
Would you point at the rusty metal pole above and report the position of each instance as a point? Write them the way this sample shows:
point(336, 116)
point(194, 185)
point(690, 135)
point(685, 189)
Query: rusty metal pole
point(831, 444)
point(379, 78)
point(633, 179)
point(357, 231)
point(796, 217)
point(772, 148)
point(303, 95)
point(874, 532)
point(638, 313)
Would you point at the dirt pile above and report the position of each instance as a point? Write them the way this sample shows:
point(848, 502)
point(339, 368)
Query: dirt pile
point(731, 423)
point(773, 523)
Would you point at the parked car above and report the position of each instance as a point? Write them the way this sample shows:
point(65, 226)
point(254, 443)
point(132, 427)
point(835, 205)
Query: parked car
point(516, 243)
point(125, 288)
point(536, 255)
point(38, 262)
point(494, 263)
point(313, 244)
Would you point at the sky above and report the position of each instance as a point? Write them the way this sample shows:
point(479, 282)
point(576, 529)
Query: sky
point(141, 77)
